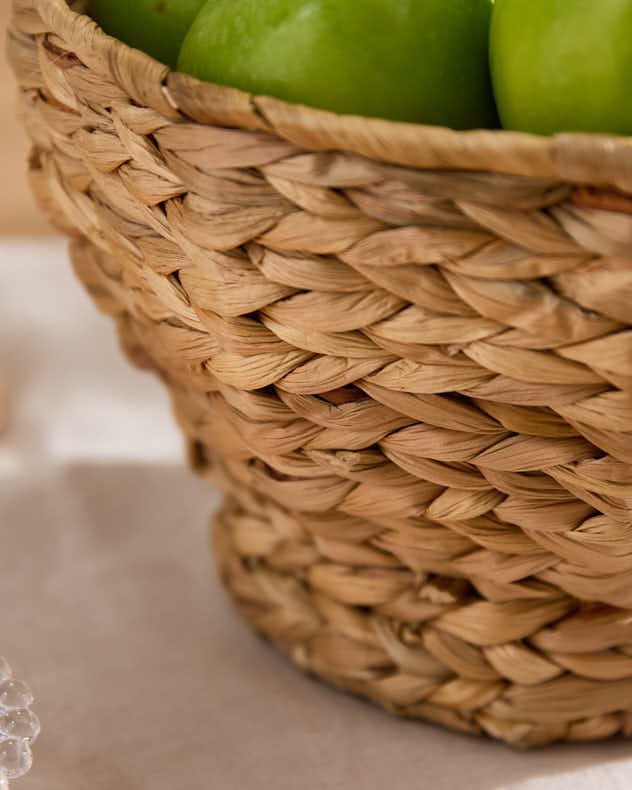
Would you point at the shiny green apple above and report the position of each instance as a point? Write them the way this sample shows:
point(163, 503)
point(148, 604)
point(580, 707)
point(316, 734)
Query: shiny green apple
point(424, 61)
point(563, 65)
point(157, 27)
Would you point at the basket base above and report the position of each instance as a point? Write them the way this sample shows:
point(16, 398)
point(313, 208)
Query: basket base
point(402, 666)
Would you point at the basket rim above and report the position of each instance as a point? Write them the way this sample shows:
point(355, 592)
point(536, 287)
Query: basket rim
point(573, 157)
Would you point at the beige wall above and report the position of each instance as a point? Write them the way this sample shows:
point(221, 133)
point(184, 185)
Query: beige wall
point(18, 214)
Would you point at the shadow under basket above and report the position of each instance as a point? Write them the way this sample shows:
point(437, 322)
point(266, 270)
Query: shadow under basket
point(404, 352)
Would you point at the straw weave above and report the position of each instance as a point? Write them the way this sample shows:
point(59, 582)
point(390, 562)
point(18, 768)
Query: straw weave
point(406, 354)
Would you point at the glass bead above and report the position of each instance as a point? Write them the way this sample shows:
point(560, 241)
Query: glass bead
point(15, 757)
point(15, 694)
point(20, 723)
point(19, 726)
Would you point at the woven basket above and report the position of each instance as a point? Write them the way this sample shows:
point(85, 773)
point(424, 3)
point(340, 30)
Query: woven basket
point(404, 352)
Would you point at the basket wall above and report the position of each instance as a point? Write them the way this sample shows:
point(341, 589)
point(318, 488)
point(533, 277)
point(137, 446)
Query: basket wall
point(406, 354)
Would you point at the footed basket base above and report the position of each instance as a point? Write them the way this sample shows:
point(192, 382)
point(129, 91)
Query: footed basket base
point(294, 595)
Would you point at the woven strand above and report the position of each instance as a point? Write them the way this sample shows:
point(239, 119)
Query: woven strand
point(404, 352)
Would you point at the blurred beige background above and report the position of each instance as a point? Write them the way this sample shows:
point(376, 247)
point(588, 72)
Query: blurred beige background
point(18, 213)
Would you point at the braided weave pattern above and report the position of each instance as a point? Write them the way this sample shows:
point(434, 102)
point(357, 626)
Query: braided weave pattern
point(404, 352)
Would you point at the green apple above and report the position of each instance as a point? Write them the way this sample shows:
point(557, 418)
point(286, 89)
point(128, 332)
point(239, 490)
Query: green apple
point(157, 27)
point(424, 61)
point(563, 65)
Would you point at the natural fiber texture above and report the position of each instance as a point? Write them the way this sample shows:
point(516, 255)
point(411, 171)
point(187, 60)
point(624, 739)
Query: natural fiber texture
point(405, 352)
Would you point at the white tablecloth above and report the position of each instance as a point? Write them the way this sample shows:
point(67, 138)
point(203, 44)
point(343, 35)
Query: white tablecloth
point(145, 678)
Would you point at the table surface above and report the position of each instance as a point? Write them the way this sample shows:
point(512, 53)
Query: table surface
point(145, 677)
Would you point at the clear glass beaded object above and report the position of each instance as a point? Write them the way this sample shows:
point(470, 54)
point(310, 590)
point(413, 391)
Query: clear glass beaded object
point(19, 726)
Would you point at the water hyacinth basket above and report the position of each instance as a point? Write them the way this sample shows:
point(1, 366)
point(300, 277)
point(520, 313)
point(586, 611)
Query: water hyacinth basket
point(405, 354)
